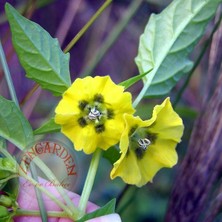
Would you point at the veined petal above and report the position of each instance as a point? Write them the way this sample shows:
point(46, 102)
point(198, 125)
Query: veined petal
point(72, 96)
point(111, 135)
point(127, 168)
point(94, 85)
point(123, 100)
point(83, 89)
point(168, 124)
point(133, 122)
point(68, 105)
point(111, 90)
point(91, 113)
point(148, 168)
point(163, 151)
point(149, 144)
point(86, 141)
point(65, 118)
point(122, 104)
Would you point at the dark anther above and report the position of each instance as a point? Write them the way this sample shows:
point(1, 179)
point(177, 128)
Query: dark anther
point(98, 98)
point(151, 136)
point(82, 104)
point(82, 122)
point(100, 128)
point(139, 153)
point(132, 130)
point(110, 114)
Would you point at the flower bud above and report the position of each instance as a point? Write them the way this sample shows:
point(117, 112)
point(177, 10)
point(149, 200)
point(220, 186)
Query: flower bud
point(3, 212)
point(2, 185)
point(8, 163)
point(7, 168)
point(4, 174)
point(5, 201)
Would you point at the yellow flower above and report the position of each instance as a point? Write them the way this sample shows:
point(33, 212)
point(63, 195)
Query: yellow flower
point(147, 146)
point(91, 113)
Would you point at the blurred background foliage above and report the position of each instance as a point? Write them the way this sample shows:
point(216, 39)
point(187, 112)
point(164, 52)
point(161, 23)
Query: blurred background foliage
point(109, 48)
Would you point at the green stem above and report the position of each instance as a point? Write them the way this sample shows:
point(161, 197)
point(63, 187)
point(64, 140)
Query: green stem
point(14, 98)
point(141, 95)
point(57, 214)
point(39, 195)
point(9, 178)
point(89, 181)
point(52, 177)
point(122, 208)
point(112, 37)
point(8, 76)
point(122, 194)
point(202, 53)
point(49, 174)
point(6, 154)
point(51, 196)
point(87, 25)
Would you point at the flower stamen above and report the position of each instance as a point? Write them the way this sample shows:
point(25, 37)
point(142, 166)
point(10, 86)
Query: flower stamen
point(94, 114)
point(144, 143)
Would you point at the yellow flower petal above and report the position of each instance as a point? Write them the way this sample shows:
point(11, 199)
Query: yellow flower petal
point(170, 127)
point(64, 105)
point(164, 152)
point(127, 168)
point(163, 131)
point(65, 118)
point(111, 135)
point(91, 113)
point(148, 168)
point(81, 141)
point(161, 154)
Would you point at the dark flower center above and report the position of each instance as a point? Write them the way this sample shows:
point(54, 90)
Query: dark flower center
point(139, 140)
point(96, 112)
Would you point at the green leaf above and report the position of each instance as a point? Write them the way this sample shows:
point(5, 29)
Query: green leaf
point(2, 143)
point(168, 39)
point(186, 112)
point(4, 213)
point(39, 54)
point(48, 127)
point(129, 82)
point(109, 208)
point(6, 219)
point(12, 189)
point(13, 125)
point(112, 154)
point(7, 167)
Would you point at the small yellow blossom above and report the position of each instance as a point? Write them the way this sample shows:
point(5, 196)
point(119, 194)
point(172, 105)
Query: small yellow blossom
point(91, 113)
point(147, 146)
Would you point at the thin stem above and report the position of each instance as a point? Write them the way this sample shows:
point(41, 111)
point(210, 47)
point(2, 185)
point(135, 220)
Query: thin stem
point(44, 168)
point(74, 40)
point(6, 154)
point(87, 25)
point(51, 196)
point(39, 195)
point(141, 95)
point(121, 195)
point(8, 76)
point(14, 98)
point(57, 214)
point(121, 209)
point(29, 94)
point(89, 181)
point(112, 37)
point(202, 53)
point(9, 178)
